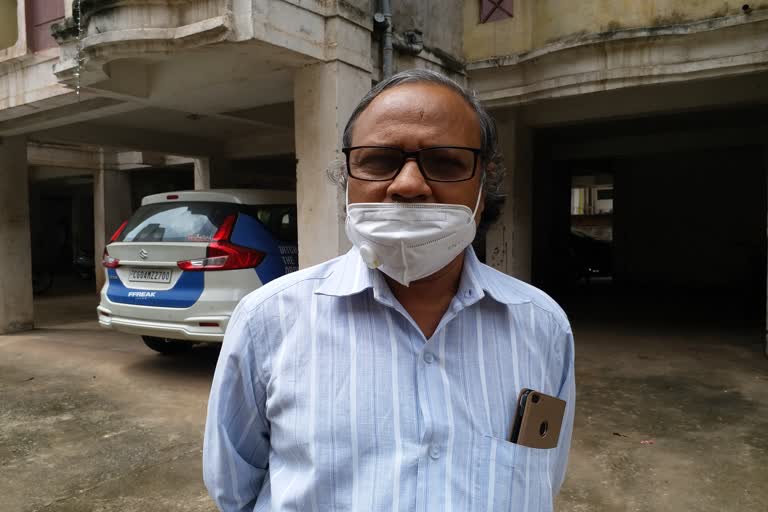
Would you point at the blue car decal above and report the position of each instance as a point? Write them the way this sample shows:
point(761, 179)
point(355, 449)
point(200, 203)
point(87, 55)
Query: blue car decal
point(184, 293)
point(251, 233)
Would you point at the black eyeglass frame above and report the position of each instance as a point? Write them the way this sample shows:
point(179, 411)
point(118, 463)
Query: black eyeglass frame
point(416, 155)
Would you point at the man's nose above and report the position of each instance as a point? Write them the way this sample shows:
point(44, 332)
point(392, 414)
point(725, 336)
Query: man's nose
point(409, 184)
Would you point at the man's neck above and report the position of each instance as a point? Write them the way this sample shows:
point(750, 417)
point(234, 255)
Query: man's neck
point(427, 299)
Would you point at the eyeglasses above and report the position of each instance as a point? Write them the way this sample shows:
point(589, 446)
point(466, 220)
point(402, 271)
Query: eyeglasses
point(380, 163)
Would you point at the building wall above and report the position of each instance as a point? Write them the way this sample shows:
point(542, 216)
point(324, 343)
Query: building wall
point(439, 20)
point(537, 23)
point(9, 32)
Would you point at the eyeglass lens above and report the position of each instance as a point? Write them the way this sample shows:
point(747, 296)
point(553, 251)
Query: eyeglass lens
point(437, 164)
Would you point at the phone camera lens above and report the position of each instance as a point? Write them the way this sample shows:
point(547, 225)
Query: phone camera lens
point(543, 429)
point(535, 399)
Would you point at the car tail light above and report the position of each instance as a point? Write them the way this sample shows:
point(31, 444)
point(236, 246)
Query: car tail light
point(107, 260)
point(222, 254)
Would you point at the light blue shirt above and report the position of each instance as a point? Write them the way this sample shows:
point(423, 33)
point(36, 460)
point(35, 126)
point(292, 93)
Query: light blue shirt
point(328, 397)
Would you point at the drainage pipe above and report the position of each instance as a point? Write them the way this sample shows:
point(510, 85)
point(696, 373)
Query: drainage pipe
point(386, 41)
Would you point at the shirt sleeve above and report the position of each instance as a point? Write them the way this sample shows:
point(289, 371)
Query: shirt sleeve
point(567, 392)
point(236, 443)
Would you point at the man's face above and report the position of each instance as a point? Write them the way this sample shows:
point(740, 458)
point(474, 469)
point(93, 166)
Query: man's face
point(412, 117)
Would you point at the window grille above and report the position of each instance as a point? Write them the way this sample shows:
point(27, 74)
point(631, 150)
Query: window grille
point(495, 10)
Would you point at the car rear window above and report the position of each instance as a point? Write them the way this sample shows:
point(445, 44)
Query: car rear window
point(176, 222)
point(199, 221)
point(280, 220)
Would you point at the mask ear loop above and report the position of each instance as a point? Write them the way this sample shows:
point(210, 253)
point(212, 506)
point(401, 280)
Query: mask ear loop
point(346, 196)
point(479, 195)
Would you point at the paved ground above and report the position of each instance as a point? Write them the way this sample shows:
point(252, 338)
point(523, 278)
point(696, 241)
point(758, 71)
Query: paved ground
point(93, 421)
point(683, 373)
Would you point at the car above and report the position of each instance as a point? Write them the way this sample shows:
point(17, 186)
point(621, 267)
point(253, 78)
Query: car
point(176, 269)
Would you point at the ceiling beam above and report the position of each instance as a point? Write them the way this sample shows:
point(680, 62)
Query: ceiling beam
point(124, 138)
point(86, 110)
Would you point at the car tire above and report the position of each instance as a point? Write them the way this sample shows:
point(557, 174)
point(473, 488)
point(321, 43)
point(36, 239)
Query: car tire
point(166, 346)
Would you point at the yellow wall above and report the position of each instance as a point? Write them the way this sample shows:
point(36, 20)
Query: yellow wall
point(8, 30)
point(539, 22)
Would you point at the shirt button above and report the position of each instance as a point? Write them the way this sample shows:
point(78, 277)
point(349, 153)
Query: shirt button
point(434, 452)
point(429, 357)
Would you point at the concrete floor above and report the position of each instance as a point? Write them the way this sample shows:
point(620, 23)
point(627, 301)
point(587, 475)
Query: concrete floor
point(91, 420)
point(672, 393)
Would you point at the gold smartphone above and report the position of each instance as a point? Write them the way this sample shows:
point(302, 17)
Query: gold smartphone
point(538, 420)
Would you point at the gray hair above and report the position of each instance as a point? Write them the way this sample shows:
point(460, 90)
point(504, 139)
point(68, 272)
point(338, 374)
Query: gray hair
point(491, 157)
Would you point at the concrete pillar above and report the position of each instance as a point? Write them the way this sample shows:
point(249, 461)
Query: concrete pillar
point(508, 242)
point(111, 206)
point(324, 97)
point(202, 173)
point(16, 311)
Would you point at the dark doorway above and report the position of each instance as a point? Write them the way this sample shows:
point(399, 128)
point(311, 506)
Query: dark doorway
point(687, 225)
point(61, 225)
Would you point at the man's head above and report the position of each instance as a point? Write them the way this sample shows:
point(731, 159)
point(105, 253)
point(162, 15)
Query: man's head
point(419, 109)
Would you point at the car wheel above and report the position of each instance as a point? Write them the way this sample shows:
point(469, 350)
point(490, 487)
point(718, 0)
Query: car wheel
point(166, 346)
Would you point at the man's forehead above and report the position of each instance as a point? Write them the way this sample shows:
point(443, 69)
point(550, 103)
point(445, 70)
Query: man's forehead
point(421, 104)
point(422, 98)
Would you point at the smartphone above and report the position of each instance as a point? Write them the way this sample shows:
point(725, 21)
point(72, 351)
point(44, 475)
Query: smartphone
point(538, 420)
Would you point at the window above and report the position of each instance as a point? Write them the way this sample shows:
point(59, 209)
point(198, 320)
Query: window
point(176, 222)
point(9, 31)
point(279, 220)
point(495, 10)
point(604, 194)
point(41, 14)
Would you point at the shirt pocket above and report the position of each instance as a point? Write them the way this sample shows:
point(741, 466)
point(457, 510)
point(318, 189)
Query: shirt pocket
point(510, 476)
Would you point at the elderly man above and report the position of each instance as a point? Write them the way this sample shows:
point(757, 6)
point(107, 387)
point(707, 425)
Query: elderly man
point(388, 378)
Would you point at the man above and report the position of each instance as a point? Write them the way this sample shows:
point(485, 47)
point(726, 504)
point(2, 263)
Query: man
point(387, 379)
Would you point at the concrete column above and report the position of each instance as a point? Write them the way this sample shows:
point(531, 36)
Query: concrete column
point(508, 243)
point(202, 173)
point(111, 206)
point(324, 97)
point(16, 311)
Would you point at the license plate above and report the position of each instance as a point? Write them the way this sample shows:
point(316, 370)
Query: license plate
point(148, 275)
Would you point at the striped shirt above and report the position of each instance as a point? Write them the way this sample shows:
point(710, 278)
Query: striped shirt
point(328, 397)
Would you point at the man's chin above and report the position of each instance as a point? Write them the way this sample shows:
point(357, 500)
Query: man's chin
point(449, 270)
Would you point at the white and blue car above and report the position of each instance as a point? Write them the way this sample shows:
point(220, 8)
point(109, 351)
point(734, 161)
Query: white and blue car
point(178, 267)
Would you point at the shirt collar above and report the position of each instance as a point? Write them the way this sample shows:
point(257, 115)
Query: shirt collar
point(351, 276)
point(478, 279)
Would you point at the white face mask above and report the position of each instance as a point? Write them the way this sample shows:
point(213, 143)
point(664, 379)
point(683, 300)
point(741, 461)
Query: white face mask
point(410, 241)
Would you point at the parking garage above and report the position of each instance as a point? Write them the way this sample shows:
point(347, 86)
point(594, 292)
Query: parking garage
point(682, 237)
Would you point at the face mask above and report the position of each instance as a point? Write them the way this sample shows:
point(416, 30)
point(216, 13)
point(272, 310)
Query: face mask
point(410, 241)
